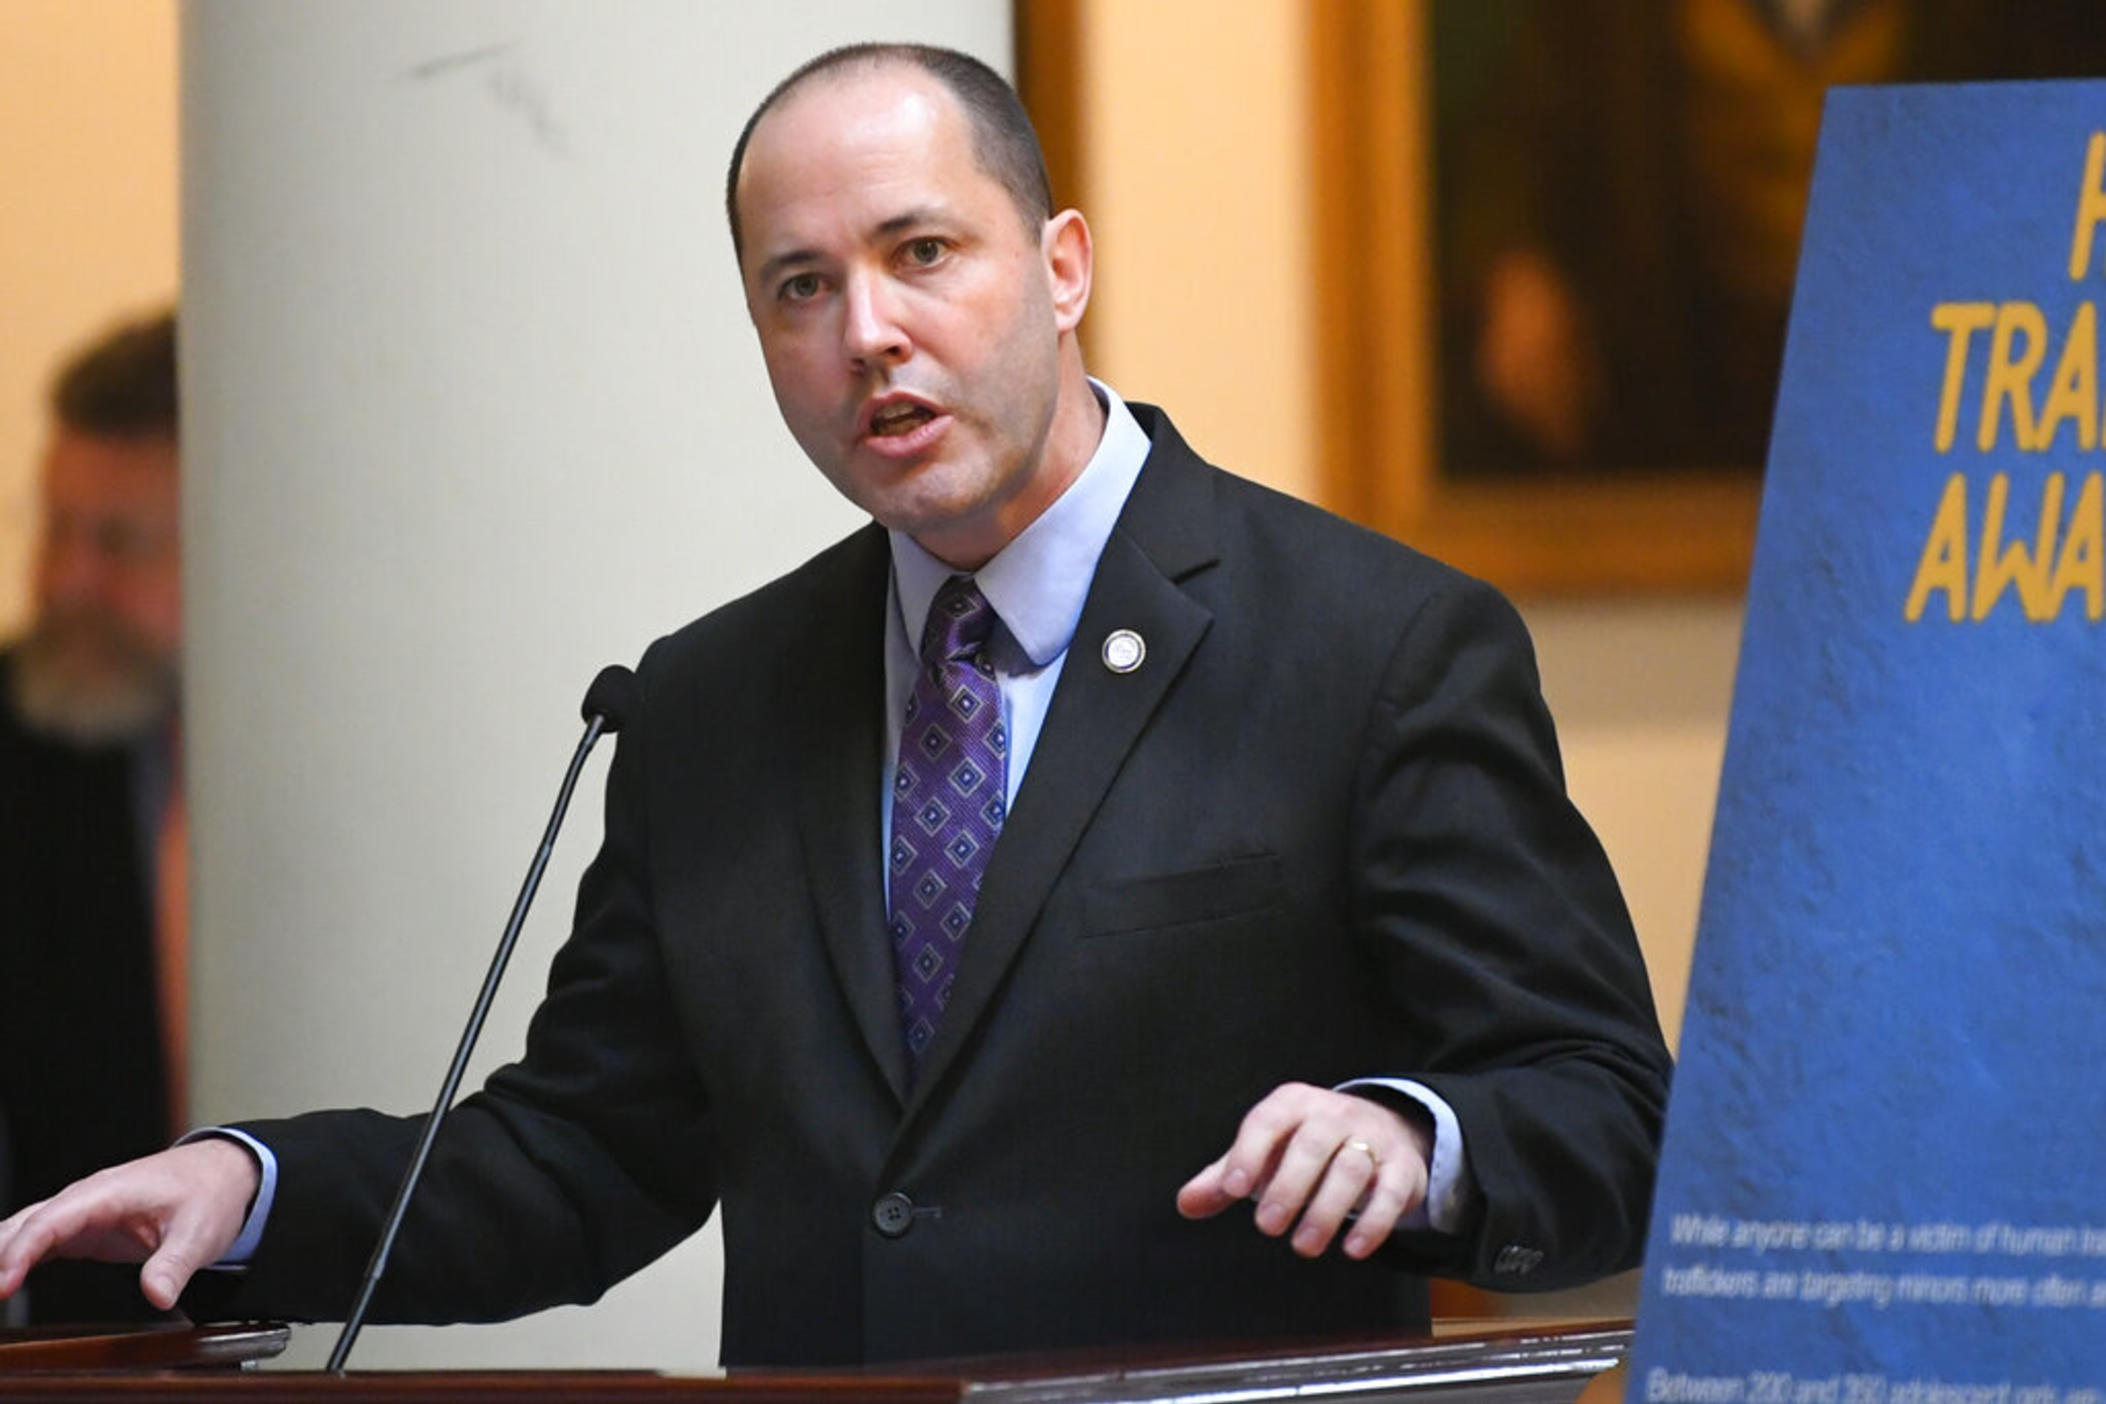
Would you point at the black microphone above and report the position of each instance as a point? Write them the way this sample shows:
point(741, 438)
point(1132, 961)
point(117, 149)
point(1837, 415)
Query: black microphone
point(614, 697)
point(611, 703)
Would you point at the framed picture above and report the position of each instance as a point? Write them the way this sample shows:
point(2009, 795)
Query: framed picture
point(1555, 243)
point(1526, 488)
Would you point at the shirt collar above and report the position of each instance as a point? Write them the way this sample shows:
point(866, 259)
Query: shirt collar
point(1038, 582)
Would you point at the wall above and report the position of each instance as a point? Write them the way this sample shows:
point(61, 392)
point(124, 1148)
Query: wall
point(1198, 173)
point(88, 180)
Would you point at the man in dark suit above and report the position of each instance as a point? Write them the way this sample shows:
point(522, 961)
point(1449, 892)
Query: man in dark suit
point(1093, 844)
point(89, 1048)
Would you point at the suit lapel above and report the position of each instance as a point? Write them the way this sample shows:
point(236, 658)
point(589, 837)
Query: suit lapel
point(1097, 715)
point(836, 688)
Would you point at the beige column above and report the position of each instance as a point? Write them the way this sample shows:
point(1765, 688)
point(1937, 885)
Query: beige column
point(472, 408)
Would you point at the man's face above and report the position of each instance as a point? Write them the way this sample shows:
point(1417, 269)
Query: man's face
point(101, 656)
point(907, 316)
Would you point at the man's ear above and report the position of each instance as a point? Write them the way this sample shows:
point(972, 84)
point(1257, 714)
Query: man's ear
point(1066, 245)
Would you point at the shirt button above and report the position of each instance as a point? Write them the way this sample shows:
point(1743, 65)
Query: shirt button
point(893, 1214)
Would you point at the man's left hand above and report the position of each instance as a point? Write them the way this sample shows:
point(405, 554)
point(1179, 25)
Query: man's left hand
point(1310, 1157)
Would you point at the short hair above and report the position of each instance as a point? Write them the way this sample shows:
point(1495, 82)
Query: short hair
point(123, 384)
point(1004, 142)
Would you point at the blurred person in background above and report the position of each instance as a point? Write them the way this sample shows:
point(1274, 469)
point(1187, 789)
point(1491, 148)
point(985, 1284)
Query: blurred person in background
point(92, 835)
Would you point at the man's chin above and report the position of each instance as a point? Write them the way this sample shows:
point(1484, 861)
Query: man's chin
point(956, 521)
point(98, 703)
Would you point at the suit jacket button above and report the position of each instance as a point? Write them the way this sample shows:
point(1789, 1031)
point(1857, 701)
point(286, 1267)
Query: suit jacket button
point(893, 1214)
point(1517, 1260)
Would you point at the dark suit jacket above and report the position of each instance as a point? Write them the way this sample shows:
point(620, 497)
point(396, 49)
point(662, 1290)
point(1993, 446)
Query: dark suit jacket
point(81, 1079)
point(1321, 832)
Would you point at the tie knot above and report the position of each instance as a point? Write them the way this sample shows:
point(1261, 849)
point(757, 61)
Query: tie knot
point(960, 622)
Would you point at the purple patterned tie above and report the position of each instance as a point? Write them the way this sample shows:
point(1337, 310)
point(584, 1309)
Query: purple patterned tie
point(947, 805)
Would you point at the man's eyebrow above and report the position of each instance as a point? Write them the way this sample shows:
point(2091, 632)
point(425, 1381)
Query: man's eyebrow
point(785, 261)
point(899, 223)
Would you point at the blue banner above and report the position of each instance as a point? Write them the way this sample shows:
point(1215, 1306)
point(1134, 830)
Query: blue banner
point(1883, 1178)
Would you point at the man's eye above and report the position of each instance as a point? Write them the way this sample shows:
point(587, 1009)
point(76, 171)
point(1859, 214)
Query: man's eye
point(924, 251)
point(800, 288)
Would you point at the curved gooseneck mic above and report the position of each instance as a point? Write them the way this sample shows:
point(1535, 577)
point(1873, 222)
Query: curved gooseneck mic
point(611, 702)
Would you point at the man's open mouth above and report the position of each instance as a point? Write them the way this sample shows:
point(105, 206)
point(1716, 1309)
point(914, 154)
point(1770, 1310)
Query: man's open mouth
point(896, 419)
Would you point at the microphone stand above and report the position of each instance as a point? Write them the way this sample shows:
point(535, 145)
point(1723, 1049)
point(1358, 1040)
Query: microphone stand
point(596, 724)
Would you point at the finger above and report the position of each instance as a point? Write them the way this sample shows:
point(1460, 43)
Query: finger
point(1247, 1166)
point(12, 1268)
point(23, 1242)
point(1302, 1167)
point(1227, 1182)
point(182, 1252)
point(1346, 1179)
point(1396, 1192)
point(1203, 1196)
point(33, 1235)
point(102, 1218)
point(1253, 1160)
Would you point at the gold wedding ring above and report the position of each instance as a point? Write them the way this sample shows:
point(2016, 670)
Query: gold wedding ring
point(1356, 1144)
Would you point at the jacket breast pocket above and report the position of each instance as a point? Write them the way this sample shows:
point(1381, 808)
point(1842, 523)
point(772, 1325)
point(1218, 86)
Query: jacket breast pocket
point(1159, 900)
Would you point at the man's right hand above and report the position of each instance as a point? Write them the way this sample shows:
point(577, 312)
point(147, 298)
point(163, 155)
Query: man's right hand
point(176, 1212)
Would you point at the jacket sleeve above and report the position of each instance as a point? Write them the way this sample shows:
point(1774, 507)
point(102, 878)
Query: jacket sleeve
point(1490, 910)
point(569, 1170)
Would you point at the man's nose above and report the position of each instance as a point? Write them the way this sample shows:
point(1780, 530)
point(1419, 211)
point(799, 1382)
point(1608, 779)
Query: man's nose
point(871, 331)
point(69, 566)
point(77, 562)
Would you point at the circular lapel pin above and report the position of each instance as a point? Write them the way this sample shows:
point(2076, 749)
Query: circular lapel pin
point(1124, 650)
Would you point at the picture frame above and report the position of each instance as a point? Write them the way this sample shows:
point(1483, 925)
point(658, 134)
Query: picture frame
point(1594, 530)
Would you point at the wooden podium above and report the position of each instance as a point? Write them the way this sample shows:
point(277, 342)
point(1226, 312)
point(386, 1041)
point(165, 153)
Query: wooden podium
point(1527, 1365)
